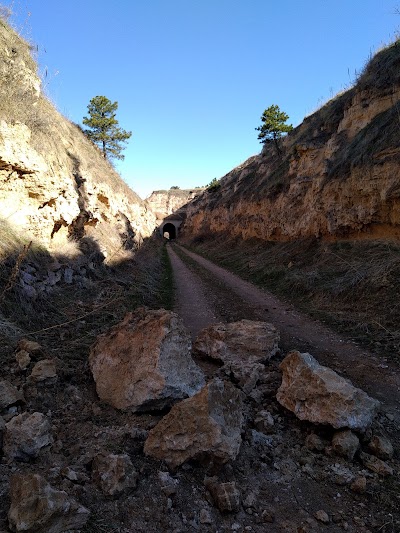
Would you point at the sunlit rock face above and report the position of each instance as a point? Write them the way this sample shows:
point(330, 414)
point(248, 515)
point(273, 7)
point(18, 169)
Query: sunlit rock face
point(56, 187)
point(165, 202)
point(337, 176)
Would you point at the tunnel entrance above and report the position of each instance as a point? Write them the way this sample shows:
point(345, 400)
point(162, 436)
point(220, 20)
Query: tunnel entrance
point(169, 231)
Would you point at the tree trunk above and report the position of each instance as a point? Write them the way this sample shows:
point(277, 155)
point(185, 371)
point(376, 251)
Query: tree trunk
point(104, 150)
point(277, 147)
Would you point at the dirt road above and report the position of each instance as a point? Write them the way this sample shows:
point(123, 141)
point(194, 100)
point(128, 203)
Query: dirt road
point(207, 293)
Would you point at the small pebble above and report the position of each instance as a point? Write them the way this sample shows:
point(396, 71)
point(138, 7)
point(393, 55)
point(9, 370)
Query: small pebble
point(322, 516)
point(359, 485)
point(205, 516)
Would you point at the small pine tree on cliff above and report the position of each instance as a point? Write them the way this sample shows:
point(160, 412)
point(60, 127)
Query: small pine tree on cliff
point(104, 130)
point(273, 126)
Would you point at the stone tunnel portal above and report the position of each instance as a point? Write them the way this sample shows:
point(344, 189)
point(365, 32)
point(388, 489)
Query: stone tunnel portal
point(170, 229)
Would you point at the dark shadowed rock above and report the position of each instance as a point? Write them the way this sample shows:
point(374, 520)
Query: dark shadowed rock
point(381, 447)
point(23, 359)
point(317, 394)
point(114, 474)
point(25, 435)
point(226, 496)
point(37, 507)
point(208, 426)
point(145, 362)
point(376, 465)
point(345, 443)
point(44, 371)
point(242, 347)
point(9, 395)
point(31, 347)
point(2, 430)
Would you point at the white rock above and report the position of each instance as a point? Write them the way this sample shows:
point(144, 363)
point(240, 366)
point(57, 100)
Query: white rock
point(145, 362)
point(317, 394)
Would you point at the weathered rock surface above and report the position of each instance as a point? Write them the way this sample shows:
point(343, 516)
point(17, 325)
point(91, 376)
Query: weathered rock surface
point(299, 194)
point(359, 485)
point(322, 516)
point(9, 395)
point(376, 465)
point(206, 426)
point(114, 473)
point(317, 394)
point(23, 359)
point(381, 447)
point(165, 202)
point(32, 347)
point(168, 484)
point(242, 347)
point(44, 370)
point(39, 508)
point(264, 422)
point(345, 443)
point(26, 435)
point(145, 362)
point(226, 496)
point(314, 442)
point(55, 182)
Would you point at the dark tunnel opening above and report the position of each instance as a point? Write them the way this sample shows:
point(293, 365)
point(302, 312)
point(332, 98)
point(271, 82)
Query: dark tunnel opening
point(170, 229)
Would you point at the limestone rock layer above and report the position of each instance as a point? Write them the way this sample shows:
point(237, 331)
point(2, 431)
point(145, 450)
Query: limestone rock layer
point(337, 174)
point(56, 187)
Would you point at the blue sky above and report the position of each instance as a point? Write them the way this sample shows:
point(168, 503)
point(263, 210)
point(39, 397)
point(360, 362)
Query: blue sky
point(192, 77)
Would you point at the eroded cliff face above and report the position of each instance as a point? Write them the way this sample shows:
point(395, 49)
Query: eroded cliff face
point(166, 202)
point(338, 175)
point(56, 187)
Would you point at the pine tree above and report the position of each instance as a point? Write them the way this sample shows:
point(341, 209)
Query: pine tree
point(273, 126)
point(104, 130)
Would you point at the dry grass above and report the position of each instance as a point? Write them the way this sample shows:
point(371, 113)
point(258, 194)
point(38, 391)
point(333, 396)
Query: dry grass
point(75, 312)
point(19, 94)
point(382, 71)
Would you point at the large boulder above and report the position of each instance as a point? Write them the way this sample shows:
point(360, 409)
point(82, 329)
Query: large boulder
point(145, 363)
point(25, 436)
point(206, 426)
point(242, 346)
point(39, 508)
point(317, 394)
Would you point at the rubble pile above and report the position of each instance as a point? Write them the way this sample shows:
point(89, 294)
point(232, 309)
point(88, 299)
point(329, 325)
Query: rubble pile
point(164, 441)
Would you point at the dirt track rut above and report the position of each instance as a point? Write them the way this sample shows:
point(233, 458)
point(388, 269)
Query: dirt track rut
point(207, 293)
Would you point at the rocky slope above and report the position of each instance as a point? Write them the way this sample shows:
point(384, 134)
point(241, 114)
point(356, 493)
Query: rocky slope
point(166, 202)
point(56, 188)
point(338, 175)
point(297, 448)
